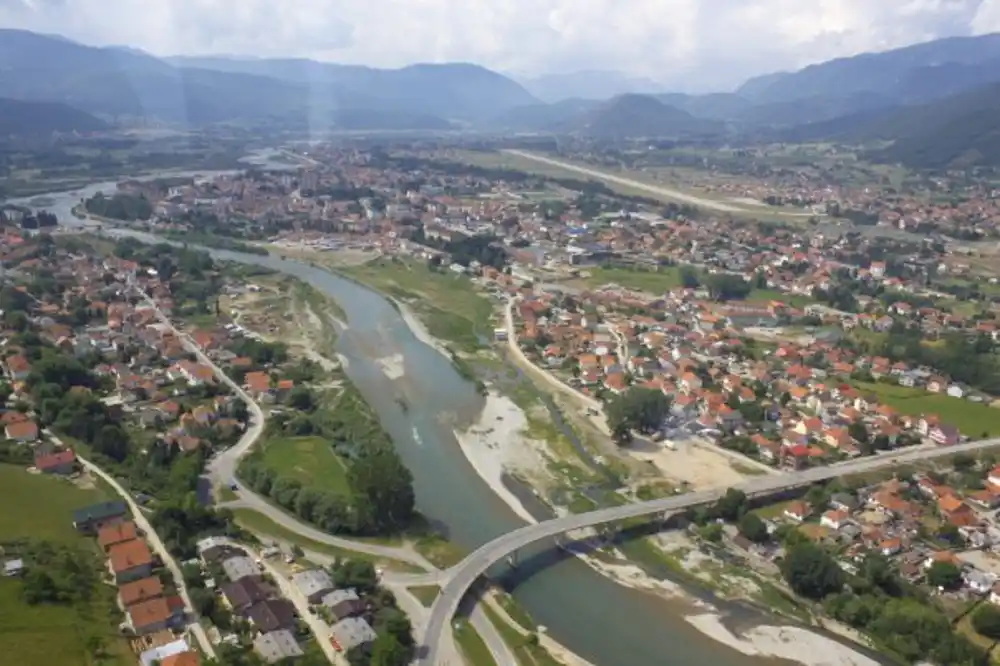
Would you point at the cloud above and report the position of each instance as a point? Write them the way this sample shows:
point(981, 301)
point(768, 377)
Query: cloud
point(684, 43)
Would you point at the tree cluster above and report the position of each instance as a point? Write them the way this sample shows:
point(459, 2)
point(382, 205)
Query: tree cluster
point(381, 500)
point(638, 409)
point(120, 206)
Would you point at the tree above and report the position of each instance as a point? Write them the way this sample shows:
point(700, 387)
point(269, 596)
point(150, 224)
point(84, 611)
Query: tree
point(387, 651)
point(753, 528)
point(384, 490)
point(810, 571)
point(112, 441)
point(732, 505)
point(945, 575)
point(638, 409)
point(986, 621)
point(301, 398)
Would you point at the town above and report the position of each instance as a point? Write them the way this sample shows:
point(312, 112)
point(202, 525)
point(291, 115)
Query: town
point(683, 348)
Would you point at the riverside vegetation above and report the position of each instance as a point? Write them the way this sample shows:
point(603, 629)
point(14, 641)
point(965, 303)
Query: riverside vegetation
point(378, 498)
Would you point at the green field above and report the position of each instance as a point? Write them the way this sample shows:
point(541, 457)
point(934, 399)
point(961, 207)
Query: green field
point(655, 282)
point(448, 305)
point(973, 419)
point(310, 460)
point(41, 508)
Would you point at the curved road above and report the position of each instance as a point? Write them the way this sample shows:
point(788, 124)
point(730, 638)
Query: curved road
point(465, 573)
point(222, 470)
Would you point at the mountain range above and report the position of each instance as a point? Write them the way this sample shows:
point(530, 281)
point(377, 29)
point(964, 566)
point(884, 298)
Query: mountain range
point(937, 102)
point(125, 84)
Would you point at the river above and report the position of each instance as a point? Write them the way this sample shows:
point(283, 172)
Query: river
point(606, 623)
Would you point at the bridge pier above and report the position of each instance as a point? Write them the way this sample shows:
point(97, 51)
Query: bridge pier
point(512, 560)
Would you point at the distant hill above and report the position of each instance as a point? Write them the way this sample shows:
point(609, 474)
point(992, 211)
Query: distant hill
point(450, 90)
point(640, 116)
point(958, 131)
point(912, 74)
point(542, 117)
point(43, 118)
point(123, 83)
point(588, 84)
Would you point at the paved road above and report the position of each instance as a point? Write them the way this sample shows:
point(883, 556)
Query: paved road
point(154, 540)
point(639, 185)
point(475, 565)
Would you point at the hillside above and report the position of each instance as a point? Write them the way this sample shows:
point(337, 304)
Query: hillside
point(960, 131)
point(912, 74)
point(42, 118)
point(640, 116)
point(125, 83)
point(588, 85)
point(450, 90)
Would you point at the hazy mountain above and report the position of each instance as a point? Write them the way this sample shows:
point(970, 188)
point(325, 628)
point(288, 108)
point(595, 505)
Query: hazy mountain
point(453, 90)
point(909, 75)
point(639, 116)
point(720, 106)
point(542, 117)
point(43, 118)
point(122, 83)
point(957, 131)
point(588, 84)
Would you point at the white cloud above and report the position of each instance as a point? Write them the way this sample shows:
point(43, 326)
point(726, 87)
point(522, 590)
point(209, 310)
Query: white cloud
point(686, 43)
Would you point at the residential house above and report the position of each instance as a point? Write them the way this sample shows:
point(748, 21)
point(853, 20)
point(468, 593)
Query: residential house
point(835, 519)
point(241, 594)
point(797, 511)
point(350, 633)
point(162, 653)
point(978, 581)
point(275, 646)
point(130, 561)
point(89, 519)
point(271, 615)
point(18, 368)
point(154, 615)
point(189, 658)
point(945, 435)
point(343, 603)
point(314, 584)
point(116, 533)
point(62, 462)
point(139, 591)
point(239, 566)
point(22, 431)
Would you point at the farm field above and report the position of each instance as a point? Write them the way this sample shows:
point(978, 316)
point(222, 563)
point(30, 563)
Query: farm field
point(973, 419)
point(81, 634)
point(310, 460)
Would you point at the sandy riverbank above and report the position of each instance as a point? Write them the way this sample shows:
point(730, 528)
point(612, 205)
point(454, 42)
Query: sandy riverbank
point(792, 643)
point(495, 444)
point(418, 328)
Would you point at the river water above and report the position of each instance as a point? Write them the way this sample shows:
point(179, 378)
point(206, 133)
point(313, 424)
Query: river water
point(606, 623)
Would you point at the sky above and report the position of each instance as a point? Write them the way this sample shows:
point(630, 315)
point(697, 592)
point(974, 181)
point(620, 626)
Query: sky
point(691, 45)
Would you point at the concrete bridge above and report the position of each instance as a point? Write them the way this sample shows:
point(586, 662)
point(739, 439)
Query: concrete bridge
point(460, 578)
